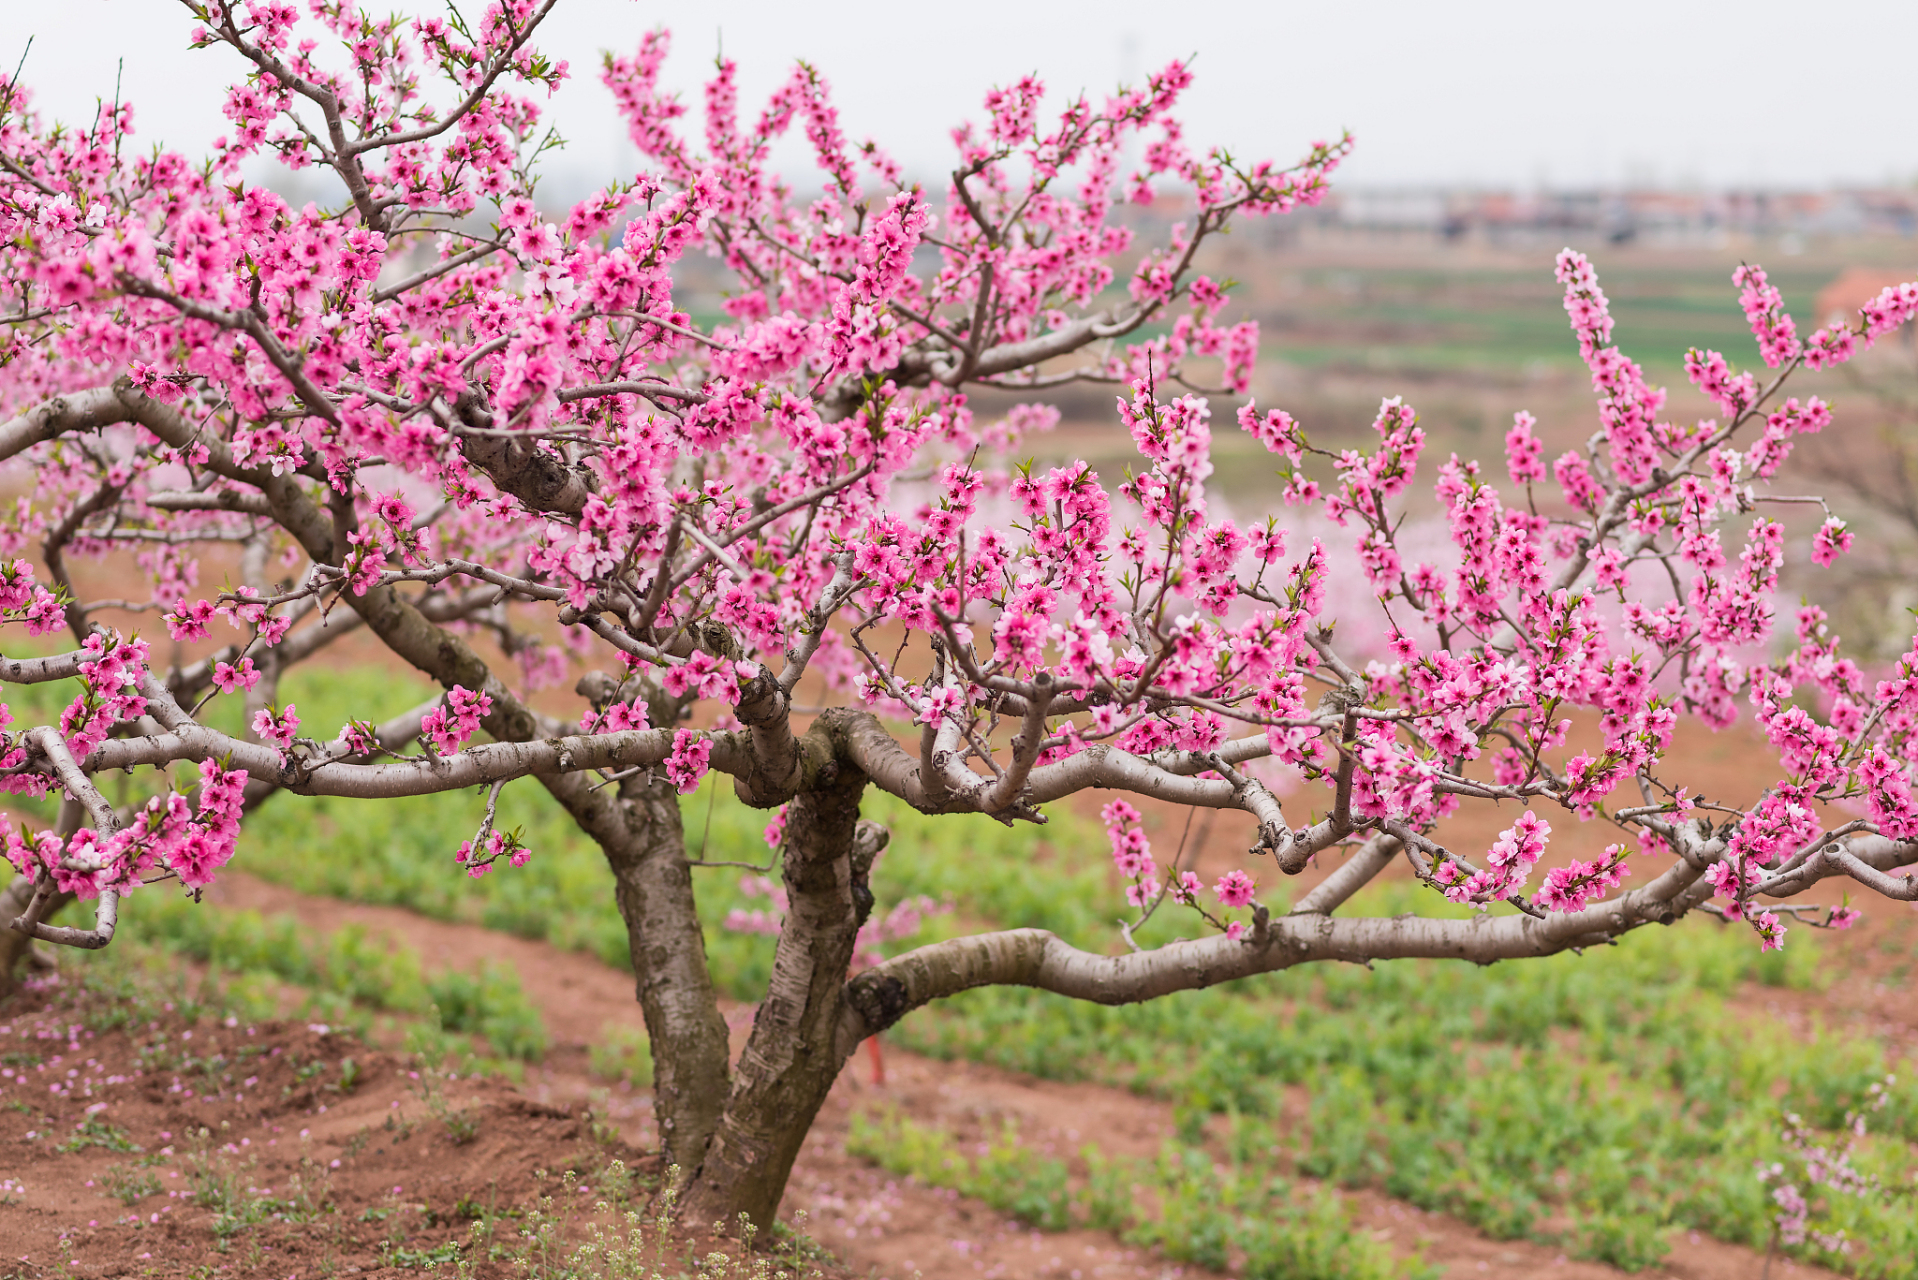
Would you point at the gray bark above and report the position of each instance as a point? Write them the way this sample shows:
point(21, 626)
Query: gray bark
point(654, 889)
point(792, 1058)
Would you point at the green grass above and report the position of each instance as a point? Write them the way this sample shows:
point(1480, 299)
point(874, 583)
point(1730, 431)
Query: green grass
point(1183, 1204)
point(1393, 318)
point(1621, 1092)
point(262, 952)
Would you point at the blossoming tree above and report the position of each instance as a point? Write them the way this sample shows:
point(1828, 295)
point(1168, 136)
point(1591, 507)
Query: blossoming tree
point(499, 446)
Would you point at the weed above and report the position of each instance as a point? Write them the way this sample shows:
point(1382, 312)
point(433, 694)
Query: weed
point(357, 1143)
point(617, 1184)
point(492, 1004)
point(399, 1124)
point(1451, 1086)
point(429, 1259)
point(552, 1243)
point(223, 1178)
point(95, 1132)
point(351, 966)
point(1206, 1215)
point(130, 1185)
point(1008, 1175)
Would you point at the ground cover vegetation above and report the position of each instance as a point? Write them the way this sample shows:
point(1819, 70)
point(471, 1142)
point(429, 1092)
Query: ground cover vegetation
point(430, 418)
point(353, 967)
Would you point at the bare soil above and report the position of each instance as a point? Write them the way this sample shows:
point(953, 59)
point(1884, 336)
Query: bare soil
point(367, 1147)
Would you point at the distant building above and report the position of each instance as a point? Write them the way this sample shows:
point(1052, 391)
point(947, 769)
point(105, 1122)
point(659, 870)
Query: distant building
point(1619, 215)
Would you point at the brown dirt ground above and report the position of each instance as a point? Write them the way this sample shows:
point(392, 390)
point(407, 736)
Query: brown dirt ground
point(372, 1150)
point(879, 1225)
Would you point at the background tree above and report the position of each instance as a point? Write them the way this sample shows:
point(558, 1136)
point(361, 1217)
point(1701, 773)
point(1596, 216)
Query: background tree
point(429, 415)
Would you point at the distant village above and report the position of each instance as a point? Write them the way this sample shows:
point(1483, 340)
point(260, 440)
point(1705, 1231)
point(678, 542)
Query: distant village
point(1625, 215)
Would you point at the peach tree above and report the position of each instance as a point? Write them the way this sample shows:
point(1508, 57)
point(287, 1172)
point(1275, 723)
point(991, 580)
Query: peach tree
point(487, 434)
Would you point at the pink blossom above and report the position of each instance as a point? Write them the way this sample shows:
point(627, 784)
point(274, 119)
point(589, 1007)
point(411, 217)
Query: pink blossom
point(276, 729)
point(1576, 884)
point(229, 676)
point(1131, 850)
point(449, 725)
point(687, 764)
point(1524, 454)
point(1831, 539)
point(1235, 889)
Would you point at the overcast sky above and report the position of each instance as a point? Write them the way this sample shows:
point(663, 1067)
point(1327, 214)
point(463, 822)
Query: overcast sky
point(1480, 92)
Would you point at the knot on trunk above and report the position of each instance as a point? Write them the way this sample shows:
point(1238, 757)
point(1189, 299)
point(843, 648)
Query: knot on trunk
point(880, 1000)
point(869, 840)
point(761, 701)
point(540, 479)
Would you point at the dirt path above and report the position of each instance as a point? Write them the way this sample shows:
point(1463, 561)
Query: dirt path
point(889, 1227)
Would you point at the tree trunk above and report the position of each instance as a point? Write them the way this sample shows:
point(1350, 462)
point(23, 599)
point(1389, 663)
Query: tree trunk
point(654, 888)
point(791, 1060)
point(16, 949)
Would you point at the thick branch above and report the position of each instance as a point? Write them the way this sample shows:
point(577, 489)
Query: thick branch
point(1036, 958)
point(81, 411)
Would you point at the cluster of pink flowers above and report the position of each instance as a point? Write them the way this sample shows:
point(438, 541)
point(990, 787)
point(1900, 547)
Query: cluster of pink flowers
point(229, 677)
point(702, 676)
point(1235, 889)
point(1576, 884)
point(277, 728)
point(1131, 852)
point(1627, 407)
point(1776, 331)
point(24, 600)
point(166, 835)
point(1508, 864)
point(1894, 306)
point(687, 764)
point(1832, 539)
point(617, 717)
point(493, 846)
point(110, 673)
point(450, 724)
